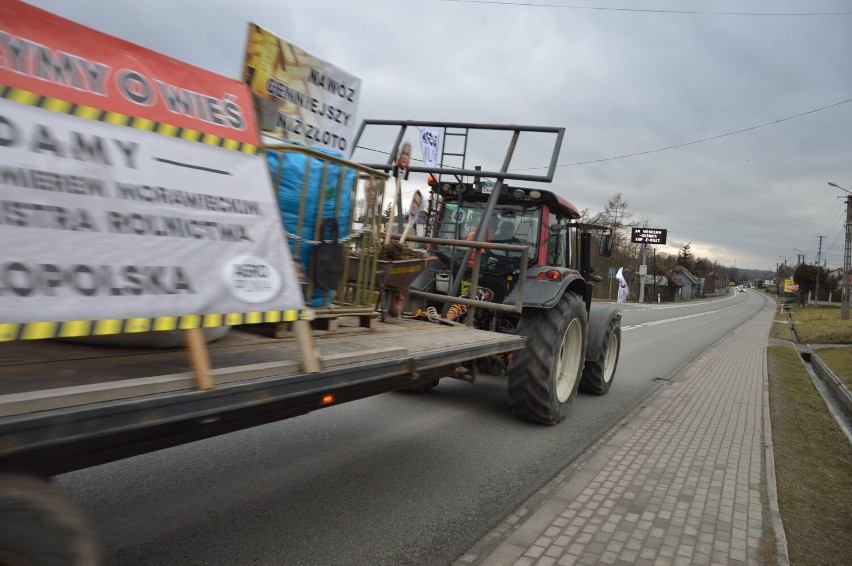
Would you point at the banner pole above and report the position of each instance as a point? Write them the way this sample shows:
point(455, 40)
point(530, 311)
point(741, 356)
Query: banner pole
point(307, 354)
point(199, 358)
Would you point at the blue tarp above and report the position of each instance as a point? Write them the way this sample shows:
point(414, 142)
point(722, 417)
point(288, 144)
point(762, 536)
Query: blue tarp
point(290, 194)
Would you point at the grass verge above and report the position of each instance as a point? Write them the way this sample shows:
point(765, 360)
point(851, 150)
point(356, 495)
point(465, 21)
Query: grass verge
point(813, 465)
point(821, 325)
point(780, 327)
point(839, 361)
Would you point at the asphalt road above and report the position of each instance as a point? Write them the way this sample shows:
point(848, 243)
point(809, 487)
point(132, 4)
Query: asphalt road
point(391, 480)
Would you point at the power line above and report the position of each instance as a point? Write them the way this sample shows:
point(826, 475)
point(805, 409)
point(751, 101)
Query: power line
point(830, 218)
point(711, 138)
point(647, 10)
point(694, 141)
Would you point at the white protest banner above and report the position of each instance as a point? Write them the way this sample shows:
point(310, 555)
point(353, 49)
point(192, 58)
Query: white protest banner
point(305, 98)
point(430, 142)
point(131, 194)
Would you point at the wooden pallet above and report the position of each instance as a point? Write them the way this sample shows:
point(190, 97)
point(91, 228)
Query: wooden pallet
point(334, 323)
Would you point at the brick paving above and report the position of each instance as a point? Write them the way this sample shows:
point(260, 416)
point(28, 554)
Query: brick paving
point(683, 486)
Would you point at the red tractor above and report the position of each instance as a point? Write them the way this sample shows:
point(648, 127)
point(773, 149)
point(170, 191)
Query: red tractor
point(517, 260)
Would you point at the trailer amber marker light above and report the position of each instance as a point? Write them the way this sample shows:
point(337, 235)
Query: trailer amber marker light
point(327, 399)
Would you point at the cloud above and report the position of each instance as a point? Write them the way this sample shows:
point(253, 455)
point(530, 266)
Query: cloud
point(618, 82)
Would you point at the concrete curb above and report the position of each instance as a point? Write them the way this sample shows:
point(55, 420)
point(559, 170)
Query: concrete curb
point(837, 387)
point(782, 554)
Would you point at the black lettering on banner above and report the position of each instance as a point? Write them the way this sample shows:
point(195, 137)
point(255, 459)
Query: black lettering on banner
point(81, 146)
point(82, 278)
point(178, 101)
point(251, 270)
point(176, 197)
point(57, 68)
point(45, 216)
point(9, 133)
point(21, 279)
point(50, 181)
point(135, 87)
point(35, 60)
point(288, 124)
point(128, 149)
point(331, 85)
point(43, 140)
point(325, 137)
point(83, 149)
point(14, 48)
point(223, 112)
point(233, 113)
point(134, 223)
point(220, 111)
point(18, 279)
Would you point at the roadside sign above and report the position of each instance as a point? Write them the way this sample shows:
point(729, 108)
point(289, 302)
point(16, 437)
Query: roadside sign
point(648, 235)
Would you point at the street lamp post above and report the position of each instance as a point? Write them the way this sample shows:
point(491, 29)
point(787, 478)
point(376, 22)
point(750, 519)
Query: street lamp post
point(799, 261)
point(847, 254)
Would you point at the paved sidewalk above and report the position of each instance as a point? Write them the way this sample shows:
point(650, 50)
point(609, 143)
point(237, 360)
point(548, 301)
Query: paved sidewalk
point(680, 482)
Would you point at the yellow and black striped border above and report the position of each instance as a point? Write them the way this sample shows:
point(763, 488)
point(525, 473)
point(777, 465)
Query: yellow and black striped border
point(22, 96)
point(72, 328)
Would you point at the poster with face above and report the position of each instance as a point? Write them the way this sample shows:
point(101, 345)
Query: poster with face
point(403, 161)
point(415, 208)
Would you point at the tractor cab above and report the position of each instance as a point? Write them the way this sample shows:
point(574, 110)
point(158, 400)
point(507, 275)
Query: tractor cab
point(536, 219)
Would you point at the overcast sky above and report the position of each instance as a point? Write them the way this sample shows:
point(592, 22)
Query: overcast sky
point(619, 80)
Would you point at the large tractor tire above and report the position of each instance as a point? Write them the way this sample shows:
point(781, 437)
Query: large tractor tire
point(600, 366)
point(38, 526)
point(544, 376)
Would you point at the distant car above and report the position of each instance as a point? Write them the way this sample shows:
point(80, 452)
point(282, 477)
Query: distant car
point(740, 289)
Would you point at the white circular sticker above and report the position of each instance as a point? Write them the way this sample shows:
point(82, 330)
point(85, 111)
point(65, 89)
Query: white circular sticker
point(252, 279)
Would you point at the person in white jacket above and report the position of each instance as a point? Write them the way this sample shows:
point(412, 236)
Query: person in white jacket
point(622, 285)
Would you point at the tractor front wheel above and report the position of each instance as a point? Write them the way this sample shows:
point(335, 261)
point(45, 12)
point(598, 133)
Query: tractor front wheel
point(599, 371)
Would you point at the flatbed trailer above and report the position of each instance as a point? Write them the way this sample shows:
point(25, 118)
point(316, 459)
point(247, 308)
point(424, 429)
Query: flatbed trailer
point(66, 406)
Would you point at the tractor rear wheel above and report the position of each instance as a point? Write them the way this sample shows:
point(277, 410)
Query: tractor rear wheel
point(544, 376)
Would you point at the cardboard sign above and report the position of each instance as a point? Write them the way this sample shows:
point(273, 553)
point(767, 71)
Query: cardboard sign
point(301, 97)
point(132, 197)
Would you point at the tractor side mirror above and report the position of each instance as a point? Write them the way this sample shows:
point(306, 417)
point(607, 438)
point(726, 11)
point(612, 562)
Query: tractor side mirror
point(606, 245)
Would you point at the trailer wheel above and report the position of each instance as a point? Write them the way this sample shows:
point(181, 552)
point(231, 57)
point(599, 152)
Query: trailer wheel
point(598, 373)
point(40, 527)
point(544, 376)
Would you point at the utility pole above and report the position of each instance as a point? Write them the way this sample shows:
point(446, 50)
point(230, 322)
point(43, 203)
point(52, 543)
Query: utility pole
point(643, 275)
point(819, 255)
point(847, 254)
point(847, 261)
point(819, 250)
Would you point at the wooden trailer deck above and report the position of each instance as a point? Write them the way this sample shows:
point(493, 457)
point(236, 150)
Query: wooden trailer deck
point(39, 375)
point(67, 406)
